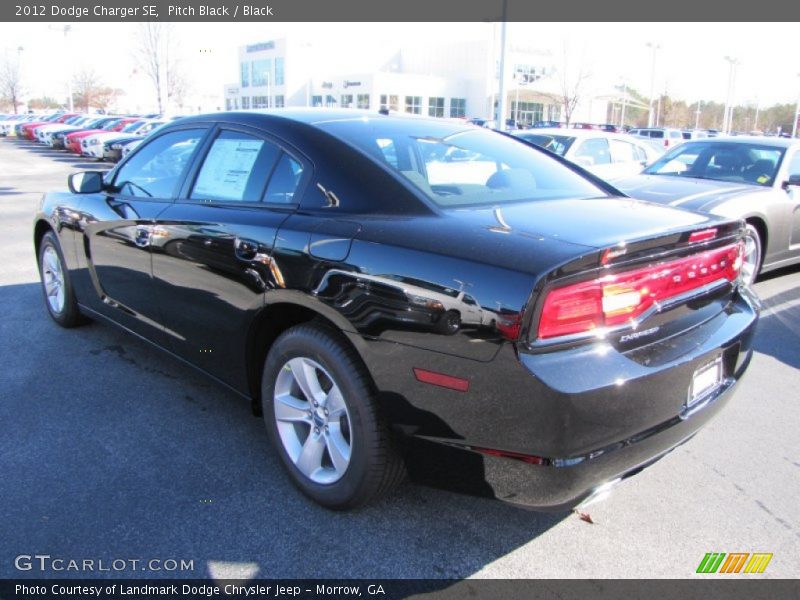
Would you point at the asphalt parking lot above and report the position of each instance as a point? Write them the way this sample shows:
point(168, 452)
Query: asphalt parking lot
point(112, 450)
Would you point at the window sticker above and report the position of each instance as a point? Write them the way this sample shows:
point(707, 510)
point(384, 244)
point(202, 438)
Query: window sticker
point(227, 169)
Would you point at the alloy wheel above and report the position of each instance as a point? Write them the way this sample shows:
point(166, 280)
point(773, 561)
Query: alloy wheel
point(313, 421)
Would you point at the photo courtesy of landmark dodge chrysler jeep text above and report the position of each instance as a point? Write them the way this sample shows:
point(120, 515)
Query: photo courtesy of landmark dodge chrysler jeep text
point(402, 295)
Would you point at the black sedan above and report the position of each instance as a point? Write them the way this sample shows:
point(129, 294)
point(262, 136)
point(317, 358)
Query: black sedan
point(402, 295)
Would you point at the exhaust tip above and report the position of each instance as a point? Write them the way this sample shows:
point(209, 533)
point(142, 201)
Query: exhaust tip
point(600, 493)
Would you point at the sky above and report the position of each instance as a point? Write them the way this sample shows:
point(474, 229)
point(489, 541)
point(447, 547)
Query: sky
point(690, 62)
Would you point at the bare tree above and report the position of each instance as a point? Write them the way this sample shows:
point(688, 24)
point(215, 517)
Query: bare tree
point(10, 81)
point(157, 54)
point(570, 85)
point(91, 92)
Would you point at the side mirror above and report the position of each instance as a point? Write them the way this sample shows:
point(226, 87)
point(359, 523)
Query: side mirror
point(793, 180)
point(86, 182)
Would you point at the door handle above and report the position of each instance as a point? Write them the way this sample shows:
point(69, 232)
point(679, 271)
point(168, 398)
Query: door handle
point(245, 249)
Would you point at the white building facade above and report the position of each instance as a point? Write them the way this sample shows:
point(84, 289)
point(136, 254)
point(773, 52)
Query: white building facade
point(448, 80)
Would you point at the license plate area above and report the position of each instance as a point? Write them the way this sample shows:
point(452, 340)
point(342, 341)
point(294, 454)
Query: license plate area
point(705, 381)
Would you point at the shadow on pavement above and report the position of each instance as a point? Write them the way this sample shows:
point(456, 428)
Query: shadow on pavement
point(114, 449)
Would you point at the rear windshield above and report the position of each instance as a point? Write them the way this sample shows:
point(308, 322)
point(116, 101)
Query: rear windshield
point(462, 167)
point(558, 144)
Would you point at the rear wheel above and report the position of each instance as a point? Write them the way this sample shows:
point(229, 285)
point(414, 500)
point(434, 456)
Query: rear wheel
point(322, 417)
point(751, 264)
point(59, 297)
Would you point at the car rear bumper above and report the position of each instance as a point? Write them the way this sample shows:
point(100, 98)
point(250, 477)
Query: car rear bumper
point(546, 430)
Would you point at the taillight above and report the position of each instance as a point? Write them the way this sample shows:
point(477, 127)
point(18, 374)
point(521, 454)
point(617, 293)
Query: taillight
point(616, 299)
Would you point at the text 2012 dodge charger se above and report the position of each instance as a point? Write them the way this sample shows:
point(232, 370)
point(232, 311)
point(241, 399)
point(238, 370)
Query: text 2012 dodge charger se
point(403, 295)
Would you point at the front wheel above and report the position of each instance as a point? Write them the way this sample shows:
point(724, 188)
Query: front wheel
point(751, 264)
point(322, 416)
point(59, 297)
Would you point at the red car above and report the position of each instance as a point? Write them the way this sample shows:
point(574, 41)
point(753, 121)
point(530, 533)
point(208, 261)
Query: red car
point(72, 141)
point(27, 129)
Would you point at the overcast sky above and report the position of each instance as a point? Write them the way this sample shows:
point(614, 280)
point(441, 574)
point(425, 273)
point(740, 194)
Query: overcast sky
point(690, 63)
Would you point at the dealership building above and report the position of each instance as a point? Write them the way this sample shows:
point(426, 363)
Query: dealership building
point(453, 79)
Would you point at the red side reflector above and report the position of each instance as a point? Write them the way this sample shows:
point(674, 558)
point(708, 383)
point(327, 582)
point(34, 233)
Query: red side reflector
point(702, 236)
point(442, 380)
point(528, 458)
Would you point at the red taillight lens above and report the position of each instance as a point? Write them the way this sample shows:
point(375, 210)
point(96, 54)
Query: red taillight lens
point(615, 299)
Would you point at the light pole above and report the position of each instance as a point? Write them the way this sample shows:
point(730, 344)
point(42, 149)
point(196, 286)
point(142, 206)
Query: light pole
point(501, 101)
point(66, 29)
point(727, 120)
point(697, 116)
point(655, 48)
point(796, 114)
point(624, 102)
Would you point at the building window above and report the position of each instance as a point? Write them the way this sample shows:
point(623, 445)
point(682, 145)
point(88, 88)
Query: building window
point(414, 105)
point(392, 101)
point(245, 102)
point(279, 71)
point(435, 107)
point(262, 72)
point(316, 100)
point(245, 78)
point(228, 104)
point(330, 101)
point(363, 100)
point(260, 102)
point(555, 112)
point(458, 107)
point(527, 112)
point(279, 101)
point(347, 100)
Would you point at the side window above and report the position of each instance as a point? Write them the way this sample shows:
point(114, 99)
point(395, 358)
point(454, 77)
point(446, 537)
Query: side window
point(156, 169)
point(593, 152)
point(794, 164)
point(623, 152)
point(388, 151)
point(235, 169)
point(284, 181)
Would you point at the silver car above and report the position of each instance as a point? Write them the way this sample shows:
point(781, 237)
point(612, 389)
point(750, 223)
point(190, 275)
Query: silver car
point(752, 178)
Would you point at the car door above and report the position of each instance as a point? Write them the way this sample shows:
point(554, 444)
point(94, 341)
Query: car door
point(793, 191)
point(212, 248)
point(626, 159)
point(594, 155)
point(117, 225)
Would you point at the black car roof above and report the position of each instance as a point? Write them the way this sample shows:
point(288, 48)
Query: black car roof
point(319, 116)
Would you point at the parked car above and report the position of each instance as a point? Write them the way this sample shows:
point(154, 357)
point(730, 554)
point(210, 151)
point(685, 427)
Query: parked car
point(113, 148)
point(8, 123)
point(25, 130)
point(606, 155)
point(72, 141)
point(750, 178)
point(694, 134)
point(665, 135)
point(297, 256)
point(92, 145)
point(59, 139)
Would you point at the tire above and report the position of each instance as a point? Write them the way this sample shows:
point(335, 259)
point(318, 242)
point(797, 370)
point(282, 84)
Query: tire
point(752, 255)
point(338, 452)
point(59, 295)
point(449, 323)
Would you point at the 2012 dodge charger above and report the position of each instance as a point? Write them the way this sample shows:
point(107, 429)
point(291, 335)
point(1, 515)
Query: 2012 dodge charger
point(401, 295)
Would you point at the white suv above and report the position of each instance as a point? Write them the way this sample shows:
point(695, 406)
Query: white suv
point(669, 137)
